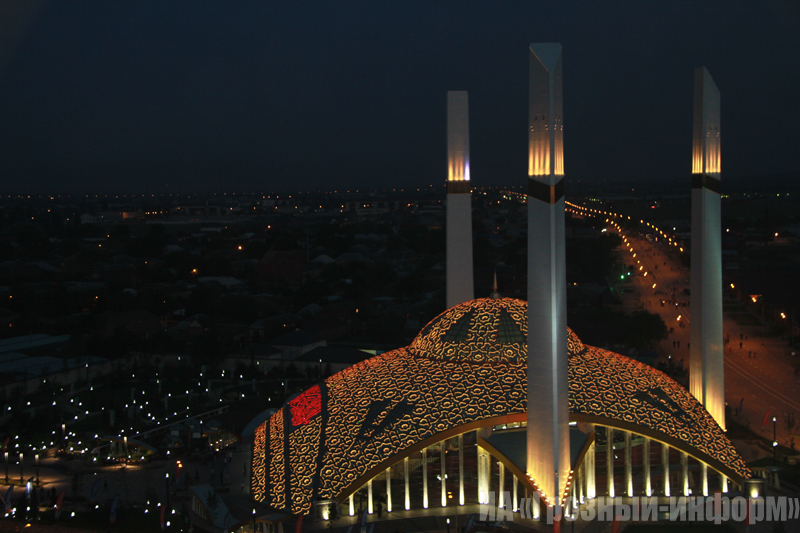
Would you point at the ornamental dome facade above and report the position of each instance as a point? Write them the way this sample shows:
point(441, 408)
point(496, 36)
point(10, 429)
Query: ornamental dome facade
point(481, 331)
point(463, 375)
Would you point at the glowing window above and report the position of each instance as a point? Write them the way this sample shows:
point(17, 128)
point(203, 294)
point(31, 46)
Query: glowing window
point(306, 406)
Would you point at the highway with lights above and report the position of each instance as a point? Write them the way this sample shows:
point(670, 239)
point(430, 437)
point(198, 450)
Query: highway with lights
point(761, 386)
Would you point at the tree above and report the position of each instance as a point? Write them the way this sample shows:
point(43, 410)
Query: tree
point(601, 327)
point(646, 329)
point(77, 484)
point(208, 348)
point(789, 420)
point(151, 245)
point(212, 501)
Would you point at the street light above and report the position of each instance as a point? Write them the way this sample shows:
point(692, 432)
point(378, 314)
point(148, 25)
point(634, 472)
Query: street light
point(774, 438)
point(166, 483)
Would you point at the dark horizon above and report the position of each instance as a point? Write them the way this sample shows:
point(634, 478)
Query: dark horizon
point(785, 182)
point(135, 96)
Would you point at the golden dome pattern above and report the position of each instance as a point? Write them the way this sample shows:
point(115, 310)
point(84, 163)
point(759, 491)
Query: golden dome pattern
point(481, 331)
point(322, 444)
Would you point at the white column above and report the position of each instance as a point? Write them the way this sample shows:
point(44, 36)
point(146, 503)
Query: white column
point(706, 365)
point(461, 469)
point(574, 495)
point(665, 464)
point(424, 478)
point(548, 459)
point(685, 473)
point(501, 493)
point(459, 201)
point(723, 482)
point(487, 475)
point(408, 492)
point(442, 470)
point(591, 487)
point(610, 461)
point(352, 506)
point(704, 476)
point(648, 488)
point(389, 490)
point(483, 490)
point(515, 498)
point(369, 496)
point(628, 465)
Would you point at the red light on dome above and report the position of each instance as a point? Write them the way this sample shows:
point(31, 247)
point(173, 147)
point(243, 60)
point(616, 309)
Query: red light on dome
point(306, 406)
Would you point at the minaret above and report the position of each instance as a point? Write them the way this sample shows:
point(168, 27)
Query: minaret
point(495, 295)
point(459, 201)
point(548, 408)
point(707, 370)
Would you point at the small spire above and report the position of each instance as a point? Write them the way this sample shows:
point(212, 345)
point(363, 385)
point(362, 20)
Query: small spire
point(495, 293)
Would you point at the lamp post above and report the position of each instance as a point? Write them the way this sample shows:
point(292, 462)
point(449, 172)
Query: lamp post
point(166, 484)
point(774, 438)
point(37, 468)
point(6, 467)
point(21, 473)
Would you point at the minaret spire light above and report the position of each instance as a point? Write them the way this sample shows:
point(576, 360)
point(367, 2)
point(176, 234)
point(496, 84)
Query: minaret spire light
point(548, 458)
point(495, 295)
point(459, 201)
point(706, 365)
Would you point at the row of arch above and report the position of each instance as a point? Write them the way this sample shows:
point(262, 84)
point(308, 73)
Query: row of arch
point(461, 467)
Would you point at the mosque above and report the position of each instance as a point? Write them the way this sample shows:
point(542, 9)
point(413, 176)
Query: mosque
point(496, 397)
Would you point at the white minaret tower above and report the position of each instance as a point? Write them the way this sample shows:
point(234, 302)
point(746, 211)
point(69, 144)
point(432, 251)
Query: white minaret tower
point(548, 407)
point(459, 201)
point(707, 369)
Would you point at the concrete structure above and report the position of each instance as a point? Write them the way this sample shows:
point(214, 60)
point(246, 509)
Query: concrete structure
point(707, 371)
point(459, 201)
point(548, 457)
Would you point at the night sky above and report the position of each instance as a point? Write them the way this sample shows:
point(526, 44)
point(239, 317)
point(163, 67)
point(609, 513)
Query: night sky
point(178, 96)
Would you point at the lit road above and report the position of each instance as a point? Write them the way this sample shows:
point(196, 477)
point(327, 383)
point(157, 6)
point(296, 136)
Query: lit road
point(762, 383)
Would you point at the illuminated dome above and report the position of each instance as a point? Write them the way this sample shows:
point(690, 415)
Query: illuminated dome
point(465, 372)
point(481, 331)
